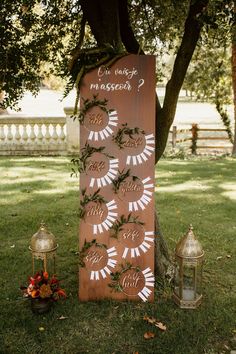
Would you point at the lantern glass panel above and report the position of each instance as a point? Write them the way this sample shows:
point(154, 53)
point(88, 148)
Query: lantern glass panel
point(177, 280)
point(38, 264)
point(199, 279)
point(189, 282)
point(45, 262)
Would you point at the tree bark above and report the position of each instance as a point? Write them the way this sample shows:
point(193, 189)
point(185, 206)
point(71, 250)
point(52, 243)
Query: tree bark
point(110, 24)
point(162, 257)
point(233, 63)
point(127, 35)
point(190, 38)
point(103, 19)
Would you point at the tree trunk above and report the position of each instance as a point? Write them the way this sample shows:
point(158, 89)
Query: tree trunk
point(110, 24)
point(190, 38)
point(2, 110)
point(233, 62)
point(103, 19)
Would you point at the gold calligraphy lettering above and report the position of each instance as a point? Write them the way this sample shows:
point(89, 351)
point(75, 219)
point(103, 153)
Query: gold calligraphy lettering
point(95, 210)
point(131, 234)
point(133, 142)
point(95, 119)
point(131, 280)
point(130, 187)
point(93, 257)
point(97, 166)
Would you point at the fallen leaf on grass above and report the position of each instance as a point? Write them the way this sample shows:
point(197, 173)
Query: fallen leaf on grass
point(228, 256)
point(154, 322)
point(12, 246)
point(41, 329)
point(62, 318)
point(151, 320)
point(218, 258)
point(149, 335)
point(161, 326)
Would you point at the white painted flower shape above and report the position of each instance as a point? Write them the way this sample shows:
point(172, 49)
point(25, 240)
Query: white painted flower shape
point(149, 282)
point(108, 177)
point(145, 198)
point(107, 131)
point(144, 155)
point(143, 247)
point(111, 263)
point(110, 219)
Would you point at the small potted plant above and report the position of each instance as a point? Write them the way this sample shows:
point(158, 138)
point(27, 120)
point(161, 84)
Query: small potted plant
point(42, 291)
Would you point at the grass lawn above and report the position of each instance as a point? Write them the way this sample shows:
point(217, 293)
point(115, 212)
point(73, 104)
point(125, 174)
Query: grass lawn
point(197, 191)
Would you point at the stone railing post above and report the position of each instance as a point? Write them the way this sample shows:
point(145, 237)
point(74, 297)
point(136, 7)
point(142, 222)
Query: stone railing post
point(72, 129)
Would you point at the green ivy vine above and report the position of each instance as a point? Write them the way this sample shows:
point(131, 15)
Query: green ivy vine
point(95, 197)
point(121, 177)
point(86, 152)
point(88, 104)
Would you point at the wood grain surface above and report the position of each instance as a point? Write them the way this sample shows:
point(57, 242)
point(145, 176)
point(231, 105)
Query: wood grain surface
point(129, 88)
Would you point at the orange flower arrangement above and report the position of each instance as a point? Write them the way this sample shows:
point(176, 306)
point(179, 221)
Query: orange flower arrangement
point(41, 286)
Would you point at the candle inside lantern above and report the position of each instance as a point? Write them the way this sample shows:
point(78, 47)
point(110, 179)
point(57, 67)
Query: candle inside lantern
point(188, 294)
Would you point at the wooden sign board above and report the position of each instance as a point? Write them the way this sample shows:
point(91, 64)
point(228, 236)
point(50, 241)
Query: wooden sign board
point(117, 146)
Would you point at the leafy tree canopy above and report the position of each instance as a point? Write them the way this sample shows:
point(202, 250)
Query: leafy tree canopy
point(35, 32)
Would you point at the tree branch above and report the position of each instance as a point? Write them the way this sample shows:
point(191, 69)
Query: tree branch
point(101, 16)
point(76, 51)
point(193, 25)
point(127, 35)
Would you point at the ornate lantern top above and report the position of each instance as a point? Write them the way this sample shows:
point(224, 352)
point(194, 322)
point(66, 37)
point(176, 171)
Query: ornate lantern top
point(189, 247)
point(43, 241)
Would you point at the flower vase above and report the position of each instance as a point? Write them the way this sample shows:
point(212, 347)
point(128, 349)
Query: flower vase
point(40, 306)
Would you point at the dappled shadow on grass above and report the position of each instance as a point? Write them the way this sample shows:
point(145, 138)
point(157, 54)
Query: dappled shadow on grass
point(174, 172)
point(22, 182)
point(207, 197)
point(56, 162)
point(20, 221)
point(37, 194)
point(206, 201)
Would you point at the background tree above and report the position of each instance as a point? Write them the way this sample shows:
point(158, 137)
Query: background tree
point(209, 79)
point(210, 76)
point(59, 32)
point(233, 62)
point(33, 33)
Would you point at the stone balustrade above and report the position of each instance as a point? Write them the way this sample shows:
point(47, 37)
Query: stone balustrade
point(38, 136)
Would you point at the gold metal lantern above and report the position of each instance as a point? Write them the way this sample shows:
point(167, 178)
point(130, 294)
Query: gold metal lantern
point(43, 247)
point(189, 257)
